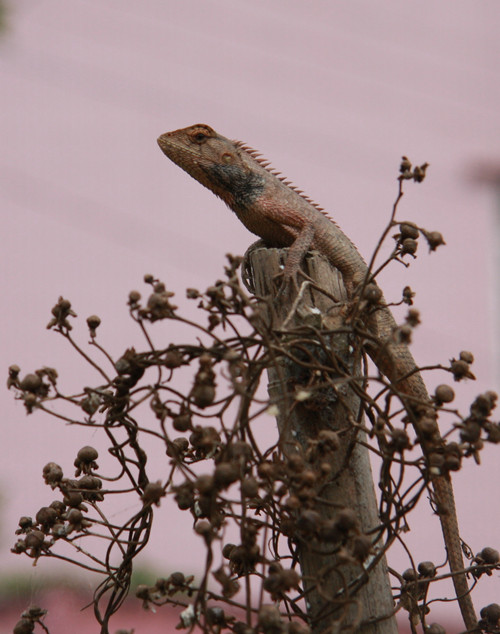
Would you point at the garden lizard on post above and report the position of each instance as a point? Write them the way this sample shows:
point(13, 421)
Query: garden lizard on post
point(270, 207)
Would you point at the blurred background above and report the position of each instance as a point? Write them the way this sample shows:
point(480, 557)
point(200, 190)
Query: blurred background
point(333, 93)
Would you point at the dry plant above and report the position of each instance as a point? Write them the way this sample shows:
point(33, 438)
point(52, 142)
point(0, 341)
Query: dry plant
point(219, 471)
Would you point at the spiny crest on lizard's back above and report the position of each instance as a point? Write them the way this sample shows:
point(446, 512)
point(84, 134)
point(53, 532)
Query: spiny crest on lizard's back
point(257, 156)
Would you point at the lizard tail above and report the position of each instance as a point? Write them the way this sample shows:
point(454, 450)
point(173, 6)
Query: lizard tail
point(395, 361)
point(443, 492)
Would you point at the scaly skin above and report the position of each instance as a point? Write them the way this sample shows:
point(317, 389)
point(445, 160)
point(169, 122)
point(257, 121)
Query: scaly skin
point(282, 216)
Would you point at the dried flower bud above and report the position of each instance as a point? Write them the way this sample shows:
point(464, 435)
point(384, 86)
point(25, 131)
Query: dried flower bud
point(308, 478)
point(173, 358)
point(413, 317)
point(13, 376)
point(427, 569)
point(205, 440)
point(177, 579)
point(149, 279)
point(491, 614)
point(452, 457)
point(58, 506)
point(46, 517)
point(489, 555)
point(52, 474)
point(24, 626)
point(92, 484)
point(408, 230)
point(460, 370)
point(153, 492)
point(203, 395)
point(329, 531)
point(428, 426)
point(243, 558)
point(466, 356)
point(184, 496)
point(31, 383)
point(493, 430)
point(436, 463)
point(240, 451)
point(409, 246)
point(404, 334)
point(73, 499)
point(177, 447)
point(434, 239)
point(25, 523)
point(295, 463)
point(122, 366)
point(216, 616)
point(159, 305)
point(213, 321)
point(76, 521)
point(93, 322)
point(91, 403)
point(269, 619)
point(372, 293)
point(61, 311)
point(203, 391)
point(419, 172)
point(484, 404)
point(346, 520)
point(405, 165)
point(292, 503)
point(204, 484)
point(408, 296)
point(227, 549)
point(74, 516)
point(329, 440)
point(361, 547)
point(34, 612)
point(30, 402)
point(410, 575)
point(134, 297)
point(34, 540)
point(182, 422)
point(225, 474)
point(85, 460)
point(203, 527)
point(400, 440)
point(266, 470)
point(308, 521)
point(87, 454)
point(280, 581)
point(471, 432)
point(443, 394)
point(250, 487)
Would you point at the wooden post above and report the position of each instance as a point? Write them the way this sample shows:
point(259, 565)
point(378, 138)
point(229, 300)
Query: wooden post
point(359, 599)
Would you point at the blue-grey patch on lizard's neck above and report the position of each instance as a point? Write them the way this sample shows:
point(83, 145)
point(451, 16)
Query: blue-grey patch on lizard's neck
point(244, 186)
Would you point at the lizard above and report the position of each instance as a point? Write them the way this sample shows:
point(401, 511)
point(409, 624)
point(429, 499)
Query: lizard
point(283, 216)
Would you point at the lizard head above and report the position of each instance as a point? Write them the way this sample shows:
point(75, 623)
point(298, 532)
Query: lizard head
point(215, 162)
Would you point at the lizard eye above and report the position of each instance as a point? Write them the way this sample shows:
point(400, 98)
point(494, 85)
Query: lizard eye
point(200, 137)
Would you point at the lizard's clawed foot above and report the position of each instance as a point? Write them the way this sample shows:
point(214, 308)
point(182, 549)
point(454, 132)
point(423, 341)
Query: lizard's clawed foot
point(290, 293)
point(288, 286)
point(246, 267)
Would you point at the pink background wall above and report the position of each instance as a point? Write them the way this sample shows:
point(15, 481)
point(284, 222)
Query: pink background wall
point(333, 93)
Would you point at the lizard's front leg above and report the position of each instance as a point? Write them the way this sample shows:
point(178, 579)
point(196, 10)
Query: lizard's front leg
point(296, 254)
